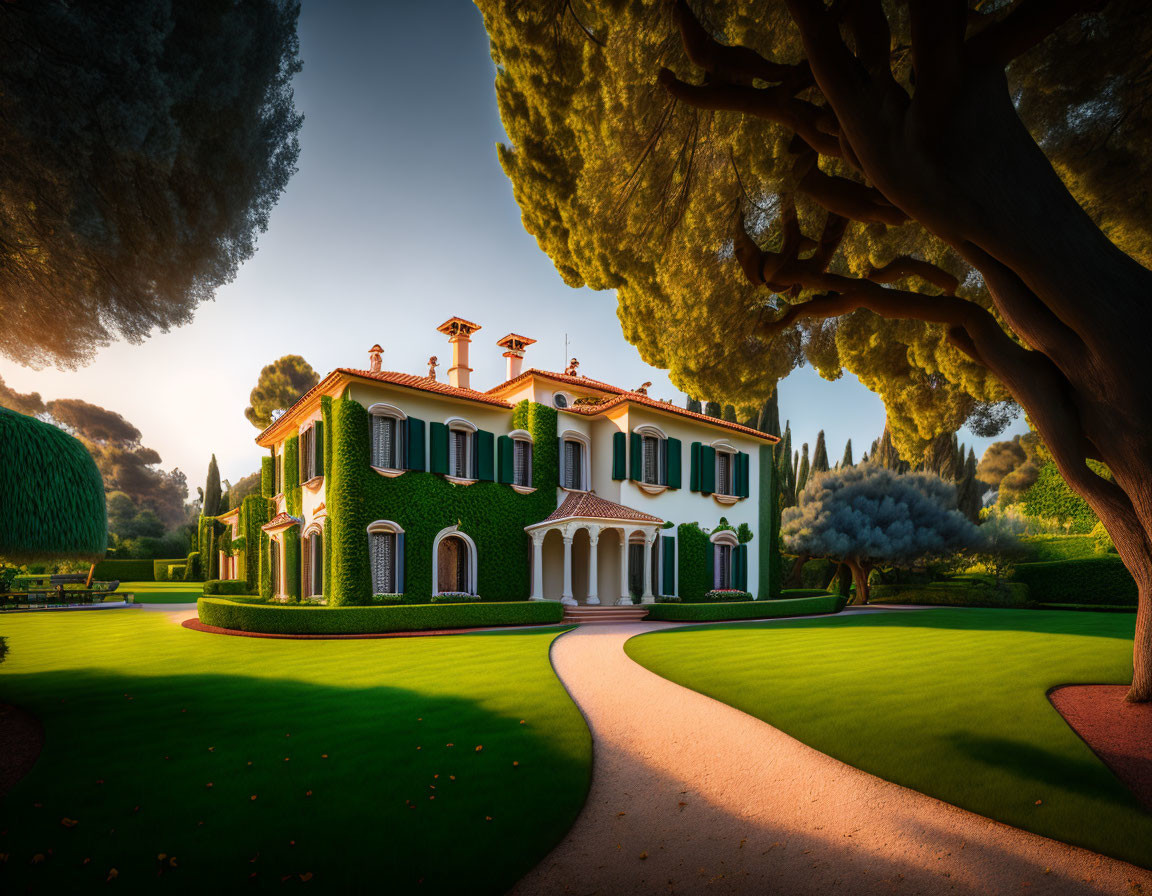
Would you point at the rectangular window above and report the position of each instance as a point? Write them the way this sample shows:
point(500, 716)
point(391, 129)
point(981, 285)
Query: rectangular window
point(723, 473)
point(459, 453)
point(386, 443)
point(307, 454)
point(274, 560)
point(723, 572)
point(278, 467)
point(312, 565)
point(384, 563)
point(651, 460)
point(573, 465)
point(522, 463)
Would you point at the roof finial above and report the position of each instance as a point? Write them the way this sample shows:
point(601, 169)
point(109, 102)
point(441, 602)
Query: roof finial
point(642, 389)
point(374, 355)
point(432, 362)
point(573, 368)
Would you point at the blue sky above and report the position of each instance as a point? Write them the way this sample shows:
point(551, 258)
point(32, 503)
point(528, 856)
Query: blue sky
point(398, 218)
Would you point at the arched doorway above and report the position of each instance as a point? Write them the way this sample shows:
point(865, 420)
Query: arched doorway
point(454, 560)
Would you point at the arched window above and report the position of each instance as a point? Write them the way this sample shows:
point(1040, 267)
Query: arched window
point(312, 561)
point(725, 468)
point(461, 449)
point(521, 458)
point(389, 437)
point(653, 455)
point(386, 557)
point(453, 562)
point(575, 451)
point(724, 546)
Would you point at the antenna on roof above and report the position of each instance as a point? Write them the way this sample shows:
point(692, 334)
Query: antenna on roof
point(565, 349)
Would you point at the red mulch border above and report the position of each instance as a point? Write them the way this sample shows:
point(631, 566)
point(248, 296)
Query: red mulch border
point(1118, 732)
point(197, 626)
point(21, 740)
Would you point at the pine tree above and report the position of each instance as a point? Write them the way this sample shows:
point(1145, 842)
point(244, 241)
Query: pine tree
point(784, 471)
point(212, 493)
point(968, 490)
point(820, 455)
point(694, 406)
point(847, 460)
point(802, 475)
point(712, 409)
point(885, 454)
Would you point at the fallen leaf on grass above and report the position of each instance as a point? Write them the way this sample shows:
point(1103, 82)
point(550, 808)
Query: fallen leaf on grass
point(252, 797)
point(1039, 802)
point(308, 793)
point(515, 763)
point(112, 875)
point(487, 817)
point(643, 855)
point(38, 858)
point(209, 784)
point(69, 822)
point(619, 814)
point(306, 876)
point(479, 748)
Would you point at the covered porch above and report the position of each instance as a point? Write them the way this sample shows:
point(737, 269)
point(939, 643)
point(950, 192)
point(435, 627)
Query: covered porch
point(591, 551)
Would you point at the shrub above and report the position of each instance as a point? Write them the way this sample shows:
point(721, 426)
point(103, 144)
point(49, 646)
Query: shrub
point(176, 572)
point(754, 609)
point(1051, 498)
point(667, 599)
point(305, 620)
point(125, 571)
point(160, 569)
point(455, 597)
point(226, 586)
point(961, 592)
point(192, 567)
point(720, 595)
point(1101, 540)
point(388, 598)
point(1091, 580)
point(793, 593)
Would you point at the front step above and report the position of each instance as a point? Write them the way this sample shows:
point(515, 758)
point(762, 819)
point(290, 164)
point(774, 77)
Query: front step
point(585, 615)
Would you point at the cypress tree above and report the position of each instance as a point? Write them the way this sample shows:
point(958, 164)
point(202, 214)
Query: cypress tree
point(730, 414)
point(802, 475)
point(712, 409)
point(968, 497)
point(847, 461)
point(769, 421)
point(694, 406)
point(212, 490)
point(820, 455)
point(784, 471)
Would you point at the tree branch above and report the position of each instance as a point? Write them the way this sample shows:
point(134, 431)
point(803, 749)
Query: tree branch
point(1026, 25)
point(849, 199)
point(907, 266)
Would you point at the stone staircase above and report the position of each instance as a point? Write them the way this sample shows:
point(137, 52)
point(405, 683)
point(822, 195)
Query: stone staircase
point(584, 615)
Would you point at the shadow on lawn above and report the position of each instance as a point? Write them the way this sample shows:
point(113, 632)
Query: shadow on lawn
point(1105, 625)
point(240, 778)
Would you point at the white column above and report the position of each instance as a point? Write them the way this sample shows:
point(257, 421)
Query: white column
point(593, 572)
point(625, 598)
point(648, 597)
point(537, 566)
point(566, 596)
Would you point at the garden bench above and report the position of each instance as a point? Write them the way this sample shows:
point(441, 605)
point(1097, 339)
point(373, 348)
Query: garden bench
point(52, 590)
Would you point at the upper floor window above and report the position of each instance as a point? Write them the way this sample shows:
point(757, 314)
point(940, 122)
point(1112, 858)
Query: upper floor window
point(573, 463)
point(460, 453)
point(522, 463)
point(278, 472)
point(389, 427)
point(312, 451)
point(560, 400)
point(725, 475)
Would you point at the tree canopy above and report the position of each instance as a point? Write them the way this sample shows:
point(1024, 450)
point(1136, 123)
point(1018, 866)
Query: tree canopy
point(279, 385)
point(868, 515)
point(142, 148)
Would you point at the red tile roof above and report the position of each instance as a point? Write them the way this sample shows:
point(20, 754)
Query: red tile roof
point(281, 521)
point(425, 384)
point(587, 505)
point(584, 381)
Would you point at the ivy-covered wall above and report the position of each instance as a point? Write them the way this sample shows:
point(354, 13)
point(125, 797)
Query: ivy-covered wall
point(208, 531)
point(769, 584)
point(422, 504)
point(267, 477)
point(695, 574)
point(293, 494)
point(255, 511)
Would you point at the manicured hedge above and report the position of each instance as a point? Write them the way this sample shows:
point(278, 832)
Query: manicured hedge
point(176, 572)
point(1091, 580)
point(954, 594)
point(226, 586)
point(305, 620)
point(753, 609)
point(191, 565)
point(125, 571)
point(794, 593)
point(160, 568)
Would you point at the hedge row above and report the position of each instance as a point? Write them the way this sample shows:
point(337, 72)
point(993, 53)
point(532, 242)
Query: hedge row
point(226, 586)
point(160, 569)
point(126, 570)
point(1090, 580)
point(305, 620)
point(753, 609)
point(953, 594)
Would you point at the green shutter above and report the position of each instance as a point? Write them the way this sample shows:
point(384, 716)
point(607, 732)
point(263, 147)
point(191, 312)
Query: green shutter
point(741, 577)
point(414, 459)
point(619, 456)
point(707, 469)
point(636, 461)
point(438, 447)
point(710, 572)
point(694, 467)
point(668, 559)
point(318, 447)
point(672, 464)
point(485, 461)
point(505, 460)
point(745, 468)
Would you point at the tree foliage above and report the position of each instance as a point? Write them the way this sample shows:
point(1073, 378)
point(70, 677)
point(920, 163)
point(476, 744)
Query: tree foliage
point(869, 515)
point(847, 461)
point(211, 495)
point(1050, 498)
point(1011, 467)
point(142, 148)
point(280, 384)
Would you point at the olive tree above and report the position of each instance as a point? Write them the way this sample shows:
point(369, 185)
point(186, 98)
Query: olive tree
point(868, 515)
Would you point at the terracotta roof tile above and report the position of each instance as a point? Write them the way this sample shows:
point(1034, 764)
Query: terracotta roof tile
point(281, 521)
point(586, 505)
point(584, 381)
point(425, 384)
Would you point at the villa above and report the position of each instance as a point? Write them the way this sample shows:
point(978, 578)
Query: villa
point(547, 486)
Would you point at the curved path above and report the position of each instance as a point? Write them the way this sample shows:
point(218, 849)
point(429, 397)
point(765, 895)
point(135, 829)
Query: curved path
point(692, 796)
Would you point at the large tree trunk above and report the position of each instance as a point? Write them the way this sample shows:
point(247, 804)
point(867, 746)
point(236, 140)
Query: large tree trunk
point(796, 576)
point(860, 577)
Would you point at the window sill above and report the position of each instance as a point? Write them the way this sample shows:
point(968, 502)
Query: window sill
point(522, 489)
point(313, 483)
point(651, 488)
point(725, 499)
point(573, 491)
point(456, 480)
point(389, 472)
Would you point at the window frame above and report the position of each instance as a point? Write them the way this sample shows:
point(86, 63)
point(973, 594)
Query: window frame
point(382, 411)
point(468, 429)
point(647, 432)
point(384, 528)
point(315, 561)
point(522, 437)
point(724, 540)
point(585, 474)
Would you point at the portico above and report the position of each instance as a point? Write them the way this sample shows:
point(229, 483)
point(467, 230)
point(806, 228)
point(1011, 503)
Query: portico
point(591, 550)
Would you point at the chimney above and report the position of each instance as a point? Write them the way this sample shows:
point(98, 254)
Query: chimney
point(459, 333)
point(374, 355)
point(514, 346)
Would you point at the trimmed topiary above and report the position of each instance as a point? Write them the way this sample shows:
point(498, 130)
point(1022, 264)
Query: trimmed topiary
point(455, 597)
point(226, 586)
point(753, 609)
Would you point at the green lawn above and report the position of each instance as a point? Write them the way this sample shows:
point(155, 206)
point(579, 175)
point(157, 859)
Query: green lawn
point(355, 764)
point(948, 702)
point(161, 592)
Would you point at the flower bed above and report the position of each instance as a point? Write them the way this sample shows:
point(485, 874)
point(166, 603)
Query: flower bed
point(752, 609)
point(722, 595)
point(305, 620)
